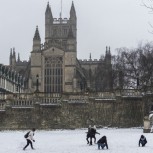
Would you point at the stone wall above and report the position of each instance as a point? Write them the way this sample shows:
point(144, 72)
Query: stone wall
point(70, 113)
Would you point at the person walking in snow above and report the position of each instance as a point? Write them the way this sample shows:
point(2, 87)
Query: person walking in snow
point(142, 141)
point(102, 142)
point(30, 138)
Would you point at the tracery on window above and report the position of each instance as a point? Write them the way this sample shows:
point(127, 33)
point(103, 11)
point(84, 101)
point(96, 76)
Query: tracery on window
point(53, 81)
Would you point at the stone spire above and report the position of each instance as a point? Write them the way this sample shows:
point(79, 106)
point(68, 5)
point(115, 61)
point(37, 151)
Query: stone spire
point(72, 11)
point(48, 22)
point(73, 20)
point(106, 50)
point(108, 55)
point(10, 56)
point(90, 56)
point(13, 58)
point(11, 52)
point(36, 40)
point(14, 54)
point(109, 50)
point(36, 36)
point(18, 57)
point(48, 10)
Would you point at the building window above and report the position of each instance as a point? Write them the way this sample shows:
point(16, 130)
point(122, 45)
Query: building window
point(55, 32)
point(53, 74)
point(65, 32)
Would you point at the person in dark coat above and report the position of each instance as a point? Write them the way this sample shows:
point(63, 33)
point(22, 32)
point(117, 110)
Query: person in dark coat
point(88, 133)
point(142, 141)
point(89, 128)
point(102, 142)
point(91, 134)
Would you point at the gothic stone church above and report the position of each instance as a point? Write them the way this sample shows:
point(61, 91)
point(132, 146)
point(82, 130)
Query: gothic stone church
point(53, 66)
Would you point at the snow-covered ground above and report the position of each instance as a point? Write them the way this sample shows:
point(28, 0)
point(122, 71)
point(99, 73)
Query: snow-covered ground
point(74, 141)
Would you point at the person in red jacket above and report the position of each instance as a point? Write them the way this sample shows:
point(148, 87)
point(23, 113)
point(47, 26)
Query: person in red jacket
point(102, 142)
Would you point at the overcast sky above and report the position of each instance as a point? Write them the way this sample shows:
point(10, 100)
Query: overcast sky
point(100, 23)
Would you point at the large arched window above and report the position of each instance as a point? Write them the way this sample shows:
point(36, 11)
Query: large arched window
point(53, 74)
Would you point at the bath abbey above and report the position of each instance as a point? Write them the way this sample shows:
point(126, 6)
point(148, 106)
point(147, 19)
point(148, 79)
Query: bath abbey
point(54, 89)
point(54, 63)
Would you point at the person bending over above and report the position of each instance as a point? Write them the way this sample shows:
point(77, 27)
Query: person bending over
point(142, 141)
point(102, 142)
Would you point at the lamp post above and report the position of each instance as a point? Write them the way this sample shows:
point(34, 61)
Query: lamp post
point(19, 89)
point(137, 80)
point(37, 83)
point(81, 86)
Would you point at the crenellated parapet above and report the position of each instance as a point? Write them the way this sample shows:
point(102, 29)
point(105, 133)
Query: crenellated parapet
point(60, 21)
point(53, 43)
point(90, 61)
point(22, 63)
point(56, 28)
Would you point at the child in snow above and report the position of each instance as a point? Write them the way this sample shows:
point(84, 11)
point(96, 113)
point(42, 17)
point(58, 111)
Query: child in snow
point(30, 139)
point(102, 142)
point(142, 141)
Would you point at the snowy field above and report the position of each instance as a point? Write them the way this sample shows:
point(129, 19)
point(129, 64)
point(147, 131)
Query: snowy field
point(74, 141)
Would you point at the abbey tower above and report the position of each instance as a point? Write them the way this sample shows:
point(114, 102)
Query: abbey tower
point(55, 61)
point(53, 66)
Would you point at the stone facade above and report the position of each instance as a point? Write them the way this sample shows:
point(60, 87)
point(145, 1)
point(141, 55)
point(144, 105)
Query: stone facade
point(61, 91)
point(10, 81)
point(53, 65)
point(74, 111)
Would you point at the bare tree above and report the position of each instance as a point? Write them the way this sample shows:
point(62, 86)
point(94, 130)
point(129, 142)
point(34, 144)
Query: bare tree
point(146, 65)
point(149, 5)
point(125, 68)
point(133, 68)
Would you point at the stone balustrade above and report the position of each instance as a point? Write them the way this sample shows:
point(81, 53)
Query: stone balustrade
point(131, 93)
point(22, 103)
point(29, 99)
point(49, 101)
point(2, 106)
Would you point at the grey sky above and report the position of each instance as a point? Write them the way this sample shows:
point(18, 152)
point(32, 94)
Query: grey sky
point(100, 23)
